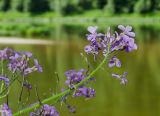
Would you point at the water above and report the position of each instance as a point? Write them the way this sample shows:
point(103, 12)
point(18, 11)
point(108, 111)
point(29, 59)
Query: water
point(140, 97)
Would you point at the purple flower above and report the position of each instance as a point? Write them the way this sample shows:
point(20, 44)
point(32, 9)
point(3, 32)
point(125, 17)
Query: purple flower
point(28, 71)
point(46, 110)
point(127, 30)
point(107, 44)
point(28, 54)
point(32, 114)
point(3, 54)
point(125, 40)
point(49, 110)
point(5, 79)
point(88, 49)
point(129, 43)
point(93, 33)
point(15, 55)
point(27, 85)
point(124, 81)
point(85, 92)
point(93, 36)
point(116, 76)
point(20, 61)
point(124, 43)
point(92, 29)
point(74, 77)
point(6, 111)
point(72, 109)
point(17, 62)
point(38, 67)
point(122, 78)
point(114, 62)
point(93, 48)
point(117, 44)
point(101, 42)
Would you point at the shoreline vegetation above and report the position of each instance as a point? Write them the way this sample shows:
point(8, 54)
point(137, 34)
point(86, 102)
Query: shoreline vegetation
point(80, 11)
point(49, 24)
point(88, 16)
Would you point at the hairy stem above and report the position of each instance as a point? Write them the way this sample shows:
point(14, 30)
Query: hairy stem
point(57, 96)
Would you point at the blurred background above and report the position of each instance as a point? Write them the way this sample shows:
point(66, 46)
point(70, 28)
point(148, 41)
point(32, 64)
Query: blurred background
point(54, 30)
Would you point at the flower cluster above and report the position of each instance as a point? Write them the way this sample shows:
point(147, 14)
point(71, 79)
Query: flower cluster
point(45, 110)
point(110, 43)
point(113, 42)
point(75, 77)
point(18, 63)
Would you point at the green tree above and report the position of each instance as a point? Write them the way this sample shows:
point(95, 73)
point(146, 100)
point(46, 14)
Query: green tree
point(100, 4)
point(17, 5)
point(142, 6)
point(110, 7)
point(155, 5)
point(26, 6)
point(57, 6)
point(70, 7)
point(39, 6)
point(52, 4)
point(5, 5)
point(85, 4)
point(124, 6)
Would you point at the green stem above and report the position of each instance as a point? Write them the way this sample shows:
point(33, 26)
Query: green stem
point(2, 84)
point(2, 67)
point(62, 93)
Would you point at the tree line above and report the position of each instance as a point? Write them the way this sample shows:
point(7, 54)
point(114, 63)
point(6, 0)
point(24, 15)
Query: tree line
point(69, 7)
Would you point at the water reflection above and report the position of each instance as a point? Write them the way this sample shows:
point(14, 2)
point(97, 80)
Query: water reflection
point(141, 97)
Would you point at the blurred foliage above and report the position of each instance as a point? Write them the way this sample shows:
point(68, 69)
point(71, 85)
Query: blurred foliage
point(110, 8)
point(66, 31)
point(69, 7)
point(26, 30)
point(5, 5)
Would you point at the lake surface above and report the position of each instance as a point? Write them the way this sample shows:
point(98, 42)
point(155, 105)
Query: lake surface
point(140, 97)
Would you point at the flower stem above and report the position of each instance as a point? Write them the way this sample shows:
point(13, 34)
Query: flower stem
point(2, 84)
point(33, 106)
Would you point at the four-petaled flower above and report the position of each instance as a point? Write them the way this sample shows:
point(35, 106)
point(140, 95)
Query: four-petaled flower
point(127, 30)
